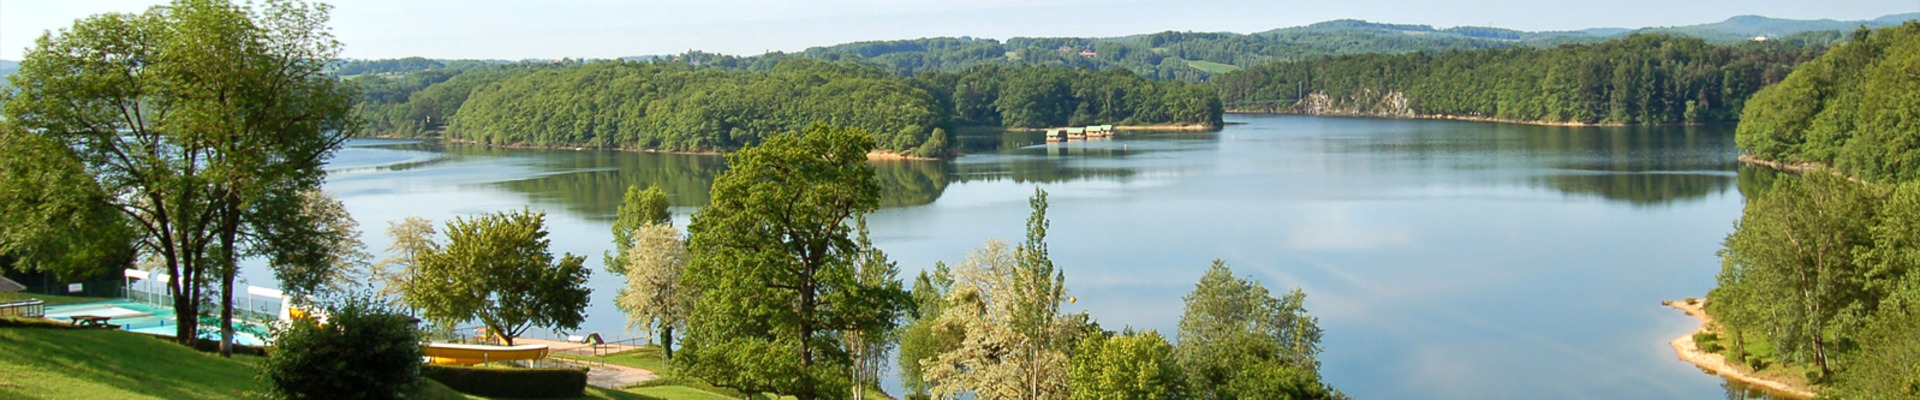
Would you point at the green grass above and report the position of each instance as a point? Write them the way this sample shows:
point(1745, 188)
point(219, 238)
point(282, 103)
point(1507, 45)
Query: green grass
point(54, 299)
point(45, 363)
point(57, 363)
point(1212, 67)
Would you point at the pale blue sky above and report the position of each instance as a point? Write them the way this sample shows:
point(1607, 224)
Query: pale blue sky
point(509, 29)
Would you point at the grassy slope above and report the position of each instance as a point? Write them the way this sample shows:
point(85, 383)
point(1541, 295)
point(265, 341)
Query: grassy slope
point(1212, 67)
point(43, 363)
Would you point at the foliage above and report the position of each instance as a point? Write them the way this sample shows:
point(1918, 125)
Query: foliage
point(1006, 306)
point(321, 247)
point(1641, 79)
point(362, 351)
point(496, 269)
point(653, 298)
point(58, 219)
point(412, 239)
point(922, 337)
point(1793, 251)
point(640, 207)
point(869, 341)
point(1137, 366)
point(186, 115)
point(1232, 327)
point(1029, 97)
point(515, 383)
point(1855, 108)
point(775, 271)
point(676, 106)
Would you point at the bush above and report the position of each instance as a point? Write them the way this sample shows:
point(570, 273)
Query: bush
point(363, 351)
point(1708, 342)
point(519, 383)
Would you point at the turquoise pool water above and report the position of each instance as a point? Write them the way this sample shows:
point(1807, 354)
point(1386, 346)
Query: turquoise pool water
point(150, 319)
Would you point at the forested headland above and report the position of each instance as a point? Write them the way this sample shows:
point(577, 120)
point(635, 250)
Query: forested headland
point(676, 106)
point(1821, 278)
point(1642, 79)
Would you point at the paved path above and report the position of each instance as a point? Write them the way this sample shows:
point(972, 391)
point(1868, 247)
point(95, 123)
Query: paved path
point(599, 375)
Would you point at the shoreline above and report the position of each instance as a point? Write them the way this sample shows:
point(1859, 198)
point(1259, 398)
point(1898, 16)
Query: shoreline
point(1443, 117)
point(875, 155)
point(1133, 128)
point(1716, 364)
point(1781, 165)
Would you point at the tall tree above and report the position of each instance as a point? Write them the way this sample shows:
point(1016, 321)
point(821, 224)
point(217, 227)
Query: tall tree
point(1798, 243)
point(412, 239)
point(638, 209)
point(773, 263)
point(496, 269)
point(1006, 306)
point(872, 336)
point(1232, 325)
point(654, 299)
point(188, 115)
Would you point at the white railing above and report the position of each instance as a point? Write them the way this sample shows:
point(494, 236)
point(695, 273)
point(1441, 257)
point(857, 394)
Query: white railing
point(29, 308)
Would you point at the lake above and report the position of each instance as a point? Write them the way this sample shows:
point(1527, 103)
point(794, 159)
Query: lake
point(1444, 259)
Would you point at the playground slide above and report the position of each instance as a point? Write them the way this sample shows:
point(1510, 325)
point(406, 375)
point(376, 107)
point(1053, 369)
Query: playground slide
point(468, 354)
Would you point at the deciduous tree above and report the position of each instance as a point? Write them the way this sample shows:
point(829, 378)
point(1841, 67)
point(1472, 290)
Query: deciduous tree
point(496, 269)
point(774, 266)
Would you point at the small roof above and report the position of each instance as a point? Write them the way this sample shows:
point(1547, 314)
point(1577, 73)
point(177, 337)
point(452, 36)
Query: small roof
point(8, 285)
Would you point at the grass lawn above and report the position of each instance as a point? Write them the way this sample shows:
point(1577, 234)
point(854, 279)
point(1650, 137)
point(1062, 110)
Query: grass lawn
point(47, 363)
point(1212, 67)
point(54, 299)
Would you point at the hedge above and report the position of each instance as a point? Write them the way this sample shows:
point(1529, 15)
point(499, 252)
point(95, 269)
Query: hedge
point(523, 383)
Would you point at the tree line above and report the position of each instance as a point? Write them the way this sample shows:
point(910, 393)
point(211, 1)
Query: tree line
point(676, 106)
point(1822, 272)
point(1641, 79)
point(1853, 109)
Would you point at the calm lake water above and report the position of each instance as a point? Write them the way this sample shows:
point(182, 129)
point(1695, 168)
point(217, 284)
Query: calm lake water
point(1448, 260)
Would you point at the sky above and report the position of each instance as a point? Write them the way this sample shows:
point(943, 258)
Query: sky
point(552, 29)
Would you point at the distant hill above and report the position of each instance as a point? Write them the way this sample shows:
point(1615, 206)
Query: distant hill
point(1747, 27)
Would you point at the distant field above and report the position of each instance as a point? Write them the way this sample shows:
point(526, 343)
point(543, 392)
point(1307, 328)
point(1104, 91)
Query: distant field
point(1212, 67)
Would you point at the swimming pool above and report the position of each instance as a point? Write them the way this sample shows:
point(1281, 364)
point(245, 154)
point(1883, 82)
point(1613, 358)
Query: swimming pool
point(151, 319)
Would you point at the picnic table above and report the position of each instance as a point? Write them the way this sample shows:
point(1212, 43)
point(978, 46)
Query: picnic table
point(91, 321)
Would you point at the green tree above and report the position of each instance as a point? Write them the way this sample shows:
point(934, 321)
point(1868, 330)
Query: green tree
point(1797, 243)
point(1133, 366)
point(872, 336)
point(773, 263)
point(187, 116)
point(320, 245)
point(640, 208)
point(496, 269)
point(362, 351)
point(58, 219)
point(1233, 324)
point(1005, 304)
point(654, 298)
point(922, 337)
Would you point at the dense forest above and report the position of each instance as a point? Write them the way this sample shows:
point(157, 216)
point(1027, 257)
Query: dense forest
point(1857, 109)
point(676, 106)
point(1642, 79)
point(1821, 277)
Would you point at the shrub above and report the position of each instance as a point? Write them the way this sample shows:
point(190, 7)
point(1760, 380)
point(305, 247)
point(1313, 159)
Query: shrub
point(363, 351)
point(1708, 342)
point(519, 383)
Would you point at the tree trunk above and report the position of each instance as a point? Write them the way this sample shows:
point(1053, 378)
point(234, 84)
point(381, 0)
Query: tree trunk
point(666, 340)
point(228, 267)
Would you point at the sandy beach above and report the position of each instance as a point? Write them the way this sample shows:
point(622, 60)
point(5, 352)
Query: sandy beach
point(1716, 363)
